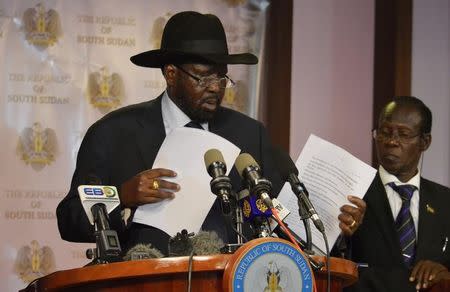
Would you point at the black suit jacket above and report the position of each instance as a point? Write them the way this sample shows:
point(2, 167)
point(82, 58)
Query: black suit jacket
point(376, 242)
point(126, 142)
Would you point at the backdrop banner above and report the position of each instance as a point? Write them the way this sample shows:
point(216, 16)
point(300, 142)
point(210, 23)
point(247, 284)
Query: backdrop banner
point(65, 64)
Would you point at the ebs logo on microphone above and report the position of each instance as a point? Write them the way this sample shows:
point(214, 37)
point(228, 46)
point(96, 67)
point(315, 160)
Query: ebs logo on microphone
point(108, 192)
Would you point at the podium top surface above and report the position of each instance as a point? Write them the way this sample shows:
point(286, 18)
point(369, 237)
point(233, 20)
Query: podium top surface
point(153, 268)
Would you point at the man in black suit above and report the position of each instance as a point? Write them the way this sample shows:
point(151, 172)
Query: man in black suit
point(403, 237)
point(120, 148)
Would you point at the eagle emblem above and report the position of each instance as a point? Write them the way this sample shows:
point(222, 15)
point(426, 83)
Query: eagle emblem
point(277, 279)
point(157, 30)
point(105, 91)
point(37, 146)
point(236, 97)
point(42, 27)
point(33, 262)
point(273, 277)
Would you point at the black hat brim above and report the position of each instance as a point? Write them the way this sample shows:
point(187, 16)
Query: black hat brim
point(159, 58)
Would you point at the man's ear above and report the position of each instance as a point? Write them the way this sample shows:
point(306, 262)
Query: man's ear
point(169, 72)
point(425, 142)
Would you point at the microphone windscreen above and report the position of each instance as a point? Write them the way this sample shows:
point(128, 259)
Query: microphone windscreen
point(211, 156)
point(142, 251)
point(284, 163)
point(207, 243)
point(180, 244)
point(243, 161)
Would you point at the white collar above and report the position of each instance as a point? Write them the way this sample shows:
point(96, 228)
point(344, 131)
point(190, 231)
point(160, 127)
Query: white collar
point(173, 116)
point(387, 178)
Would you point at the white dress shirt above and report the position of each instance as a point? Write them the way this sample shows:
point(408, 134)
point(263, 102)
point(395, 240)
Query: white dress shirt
point(173, 116)
point(394, 198)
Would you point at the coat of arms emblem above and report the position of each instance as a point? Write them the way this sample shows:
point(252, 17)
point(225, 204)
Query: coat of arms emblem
point(37, 146)
point(42, 27)
point(105, 91)
point(235, 97)
point(33, 262)
point(157, 30)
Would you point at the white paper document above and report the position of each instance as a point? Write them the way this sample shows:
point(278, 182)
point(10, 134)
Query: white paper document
point(182, 151)
point(330, 174)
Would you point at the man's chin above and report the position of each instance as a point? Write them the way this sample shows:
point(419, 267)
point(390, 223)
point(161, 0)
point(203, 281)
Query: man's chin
point(391, 168)
point(204, 116)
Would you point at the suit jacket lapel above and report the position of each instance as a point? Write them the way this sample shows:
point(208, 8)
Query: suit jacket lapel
point(151, 133)
point(378, 201)
point(427, 220)
point(218, 124)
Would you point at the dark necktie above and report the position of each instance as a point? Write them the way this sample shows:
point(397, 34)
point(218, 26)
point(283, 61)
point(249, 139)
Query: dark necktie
point(193, 124)
point(405, 224)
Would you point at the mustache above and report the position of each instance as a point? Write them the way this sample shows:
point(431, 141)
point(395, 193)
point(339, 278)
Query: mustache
point(213, 97)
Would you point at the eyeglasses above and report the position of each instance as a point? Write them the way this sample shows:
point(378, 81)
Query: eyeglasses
point(207, 81)
point(383, 135)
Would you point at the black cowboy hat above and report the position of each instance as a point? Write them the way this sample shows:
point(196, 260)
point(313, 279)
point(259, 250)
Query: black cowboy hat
point(192, 36)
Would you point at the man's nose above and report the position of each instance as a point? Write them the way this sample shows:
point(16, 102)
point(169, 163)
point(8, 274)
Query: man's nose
point(393, 139)
point(214, 86)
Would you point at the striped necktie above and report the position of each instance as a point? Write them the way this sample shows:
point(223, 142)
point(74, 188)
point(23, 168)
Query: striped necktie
point(195, 125)
point(405, 224)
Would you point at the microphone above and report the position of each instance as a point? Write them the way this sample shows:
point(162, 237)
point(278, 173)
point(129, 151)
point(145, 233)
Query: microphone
point(250, 171)
point(203, 243)
point(207, 243)
point(180, 244)
point(142, 251)
point(257, 213)
point(289, 172)
point(220, 183)
point(98, 201)
point(91, 195)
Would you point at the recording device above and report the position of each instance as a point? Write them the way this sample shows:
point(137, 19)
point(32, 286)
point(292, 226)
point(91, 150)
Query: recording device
point(289, 172)
point(142, 251)
point(220, 183)
point(98, 201)
point(202, 243)
point(250, 171)
point(283, 212)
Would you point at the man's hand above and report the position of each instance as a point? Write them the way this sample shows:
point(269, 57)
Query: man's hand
point(427, 273)
point(351, 217)
point(147, 187)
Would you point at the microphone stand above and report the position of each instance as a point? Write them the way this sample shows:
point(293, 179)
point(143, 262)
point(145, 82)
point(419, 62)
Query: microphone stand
point(230, 248)
point(304, 216)
point(239, 222)
point(107, 248)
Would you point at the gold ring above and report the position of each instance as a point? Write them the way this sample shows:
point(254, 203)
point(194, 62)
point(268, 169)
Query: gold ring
point(155, 184)
point(353, 223)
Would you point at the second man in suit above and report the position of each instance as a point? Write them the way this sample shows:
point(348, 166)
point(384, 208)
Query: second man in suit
point(403, 237)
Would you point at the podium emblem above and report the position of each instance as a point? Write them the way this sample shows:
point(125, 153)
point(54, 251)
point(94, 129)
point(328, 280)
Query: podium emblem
point(269, 264)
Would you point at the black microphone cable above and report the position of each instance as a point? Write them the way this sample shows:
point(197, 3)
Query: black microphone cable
point(289, 172)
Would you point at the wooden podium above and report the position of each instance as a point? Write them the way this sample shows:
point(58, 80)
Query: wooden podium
point(169, 274)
